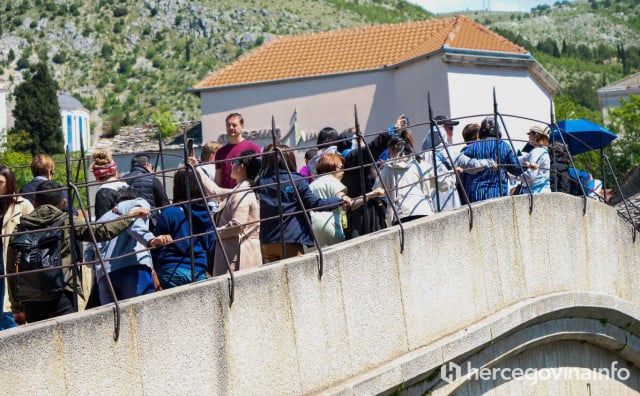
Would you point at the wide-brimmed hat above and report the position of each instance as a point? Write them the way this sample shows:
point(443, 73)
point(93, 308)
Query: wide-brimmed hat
point(444, 120)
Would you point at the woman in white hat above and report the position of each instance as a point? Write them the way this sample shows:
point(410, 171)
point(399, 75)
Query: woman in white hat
point(538, 162)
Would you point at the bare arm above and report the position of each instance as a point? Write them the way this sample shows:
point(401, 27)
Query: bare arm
point(212, 188)
point(359, 201)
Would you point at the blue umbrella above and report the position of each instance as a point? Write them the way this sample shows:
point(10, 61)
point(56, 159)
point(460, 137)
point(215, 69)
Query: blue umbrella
point(583, 135)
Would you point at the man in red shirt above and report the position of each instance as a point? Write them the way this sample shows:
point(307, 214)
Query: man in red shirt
point(236, 145)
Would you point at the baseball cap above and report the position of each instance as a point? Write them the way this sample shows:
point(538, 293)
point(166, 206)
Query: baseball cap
point(443, 120)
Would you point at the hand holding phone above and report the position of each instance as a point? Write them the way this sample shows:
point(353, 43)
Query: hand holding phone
point(190, 150)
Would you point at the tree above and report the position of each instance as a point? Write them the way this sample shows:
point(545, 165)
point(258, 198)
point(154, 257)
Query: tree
point(23, 62)
point(17, 155)
point(38, 112)
point(165, 123)
point(583, 91)
point(566, 108)
point(625, 120)
point(19, 140)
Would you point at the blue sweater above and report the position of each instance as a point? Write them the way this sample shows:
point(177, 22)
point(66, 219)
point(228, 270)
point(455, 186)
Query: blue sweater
point(295, 229)
point(173, 221)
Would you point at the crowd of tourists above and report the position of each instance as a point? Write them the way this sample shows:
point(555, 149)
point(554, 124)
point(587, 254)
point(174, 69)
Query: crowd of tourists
point(241, 206)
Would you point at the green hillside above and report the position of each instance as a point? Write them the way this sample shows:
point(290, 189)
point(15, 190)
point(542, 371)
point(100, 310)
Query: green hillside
point(128, 59)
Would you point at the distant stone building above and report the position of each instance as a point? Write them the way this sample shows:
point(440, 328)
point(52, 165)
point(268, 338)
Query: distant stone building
point(314, 80)
point(75, 123)
point(610, 95)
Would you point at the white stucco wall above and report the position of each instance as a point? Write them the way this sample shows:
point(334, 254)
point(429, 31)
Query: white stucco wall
point(319, 103)
point(79, 121)
point(517, 93)
point(380, 97)
point(412, 85)
point(611, 98)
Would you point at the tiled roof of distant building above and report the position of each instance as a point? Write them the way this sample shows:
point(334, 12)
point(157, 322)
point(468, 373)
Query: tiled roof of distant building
point(357, 49)
point(632, 81)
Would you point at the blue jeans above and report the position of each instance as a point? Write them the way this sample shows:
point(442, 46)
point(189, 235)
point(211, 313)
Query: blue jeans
point(172, 276)
point(127, 282)
point(6, 318)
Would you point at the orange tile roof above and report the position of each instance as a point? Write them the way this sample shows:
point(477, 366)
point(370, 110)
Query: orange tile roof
point(355, 49)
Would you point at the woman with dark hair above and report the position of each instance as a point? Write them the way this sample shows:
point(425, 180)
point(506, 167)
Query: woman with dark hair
point(173, 264)
point(560, 179)
point(327, 144)
point(408, 182)
point(492, 182)
point(294, 232)
point(12, 208)
point(238, 218)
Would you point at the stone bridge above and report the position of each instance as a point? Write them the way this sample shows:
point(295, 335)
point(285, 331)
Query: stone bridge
point(547, 292)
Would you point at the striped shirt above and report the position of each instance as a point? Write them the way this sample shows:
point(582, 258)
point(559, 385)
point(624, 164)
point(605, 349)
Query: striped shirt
point(490, 183)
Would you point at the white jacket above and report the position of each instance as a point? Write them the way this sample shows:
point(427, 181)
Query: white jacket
point(409, 186)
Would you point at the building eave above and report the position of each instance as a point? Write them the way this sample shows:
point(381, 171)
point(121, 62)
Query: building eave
point(197, 91)
point(475, 58)
point(618, 91)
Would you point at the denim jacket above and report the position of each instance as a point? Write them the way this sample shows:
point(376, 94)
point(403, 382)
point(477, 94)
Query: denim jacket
point(135, 239)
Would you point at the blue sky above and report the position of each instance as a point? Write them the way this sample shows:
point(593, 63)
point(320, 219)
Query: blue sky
point(440, 6)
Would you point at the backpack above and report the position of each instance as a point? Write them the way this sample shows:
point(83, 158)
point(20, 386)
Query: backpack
point(38, 249)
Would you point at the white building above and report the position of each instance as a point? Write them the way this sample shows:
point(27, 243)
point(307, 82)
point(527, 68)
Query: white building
point(314, 80)
point(75, 123)
point(610, 95)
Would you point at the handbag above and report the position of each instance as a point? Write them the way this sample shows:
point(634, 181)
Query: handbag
point(516, 190)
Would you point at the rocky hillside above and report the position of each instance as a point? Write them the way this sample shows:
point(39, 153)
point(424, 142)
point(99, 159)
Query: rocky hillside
point(588, 35)
point(127, 59)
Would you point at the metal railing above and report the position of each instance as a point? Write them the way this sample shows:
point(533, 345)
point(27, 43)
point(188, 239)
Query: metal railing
point(74, 187)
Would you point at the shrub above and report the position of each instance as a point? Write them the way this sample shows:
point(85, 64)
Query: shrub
point(165, 123)
point(120, 11)
point(107, 51)
point(60, 57)
point(23, 63)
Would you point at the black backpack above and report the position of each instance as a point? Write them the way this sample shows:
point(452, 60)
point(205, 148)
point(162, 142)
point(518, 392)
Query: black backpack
point(38, 249)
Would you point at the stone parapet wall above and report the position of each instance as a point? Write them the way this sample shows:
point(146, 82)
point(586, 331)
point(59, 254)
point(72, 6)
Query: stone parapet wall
point(289, 332)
